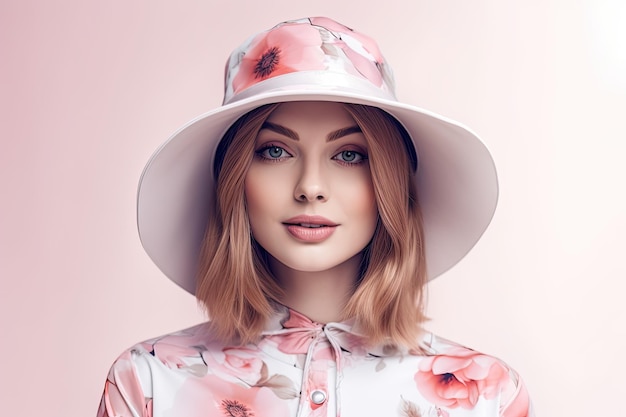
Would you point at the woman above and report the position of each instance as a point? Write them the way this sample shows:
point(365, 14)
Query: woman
point(306, 214)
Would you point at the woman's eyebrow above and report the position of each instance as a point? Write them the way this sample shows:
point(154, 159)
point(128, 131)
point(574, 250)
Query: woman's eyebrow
point(334, 135)
point(285, 131)
point(344, 131)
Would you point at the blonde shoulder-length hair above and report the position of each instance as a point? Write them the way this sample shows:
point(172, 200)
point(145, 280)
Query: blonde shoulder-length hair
point(234, 282)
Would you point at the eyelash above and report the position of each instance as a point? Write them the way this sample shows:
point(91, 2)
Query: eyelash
point(361, 158)
point(262, 153)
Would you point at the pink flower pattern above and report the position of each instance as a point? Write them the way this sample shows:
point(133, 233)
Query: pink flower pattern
point(244, 363)
point(223, 398)
point(288, 48)
point(189, 373)
point(459, 377)
point(313, 44)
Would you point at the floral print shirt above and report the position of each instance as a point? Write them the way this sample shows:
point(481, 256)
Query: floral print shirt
point(306, 369)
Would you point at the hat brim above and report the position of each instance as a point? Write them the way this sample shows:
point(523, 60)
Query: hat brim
point(456, 179)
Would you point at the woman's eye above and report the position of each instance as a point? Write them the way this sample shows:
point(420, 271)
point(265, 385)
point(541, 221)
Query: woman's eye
point(273, 152)
point(350, 157)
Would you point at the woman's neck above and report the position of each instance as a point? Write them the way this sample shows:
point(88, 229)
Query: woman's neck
point(319, 295)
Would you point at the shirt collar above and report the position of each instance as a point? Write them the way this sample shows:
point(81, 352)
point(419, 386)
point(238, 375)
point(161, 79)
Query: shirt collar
point(294, 330)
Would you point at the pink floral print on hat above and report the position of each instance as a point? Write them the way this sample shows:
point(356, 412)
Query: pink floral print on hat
point(284, 49)
point(312, 44)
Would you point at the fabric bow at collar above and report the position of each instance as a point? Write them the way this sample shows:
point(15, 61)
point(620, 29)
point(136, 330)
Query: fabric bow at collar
point(294, 333)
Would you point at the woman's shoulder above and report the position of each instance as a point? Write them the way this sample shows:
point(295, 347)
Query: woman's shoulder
point(162, 364)
point(172, 350)
point(447, 368)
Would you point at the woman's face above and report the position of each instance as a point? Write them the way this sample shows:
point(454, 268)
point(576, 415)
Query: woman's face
point(309, 191)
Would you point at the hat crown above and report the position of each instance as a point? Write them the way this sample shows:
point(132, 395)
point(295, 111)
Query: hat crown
point(329, 54)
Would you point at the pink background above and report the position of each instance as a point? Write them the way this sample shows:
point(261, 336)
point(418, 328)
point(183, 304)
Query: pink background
point(89, 90)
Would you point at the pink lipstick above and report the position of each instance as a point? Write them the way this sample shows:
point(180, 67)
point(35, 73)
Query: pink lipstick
point(310, 229)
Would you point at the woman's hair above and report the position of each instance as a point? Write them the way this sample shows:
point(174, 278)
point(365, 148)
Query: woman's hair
point(234, 282)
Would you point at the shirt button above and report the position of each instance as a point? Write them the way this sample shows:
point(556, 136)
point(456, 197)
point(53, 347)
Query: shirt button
point(318, 397)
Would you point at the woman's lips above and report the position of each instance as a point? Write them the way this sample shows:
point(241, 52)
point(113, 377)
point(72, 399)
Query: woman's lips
point(311, 229)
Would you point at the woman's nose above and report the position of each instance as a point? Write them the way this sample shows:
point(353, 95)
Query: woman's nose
point(311, 185)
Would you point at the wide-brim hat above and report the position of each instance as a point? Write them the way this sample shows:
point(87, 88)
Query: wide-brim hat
point(313, 59)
